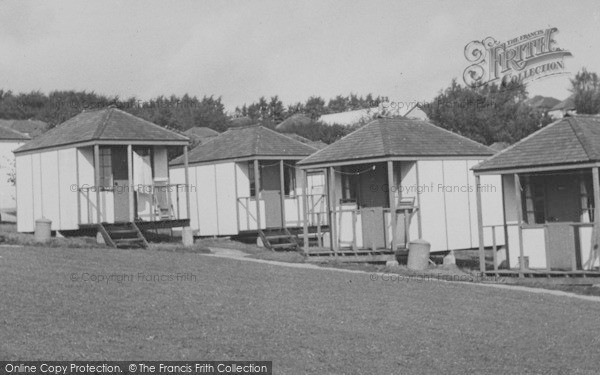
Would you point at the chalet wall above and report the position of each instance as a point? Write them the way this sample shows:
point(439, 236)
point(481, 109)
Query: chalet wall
point(8, 199)
point(45, 183)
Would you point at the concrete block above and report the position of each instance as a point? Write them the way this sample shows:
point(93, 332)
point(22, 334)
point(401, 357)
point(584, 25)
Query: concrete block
point(187, 236)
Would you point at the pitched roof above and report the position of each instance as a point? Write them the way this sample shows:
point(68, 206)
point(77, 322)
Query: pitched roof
point(293, 121)
point(565, 105)
point(390, 137)
point(316, 144)
point(11, 134)
point(250, 141)
point(109, 124)
point(499, 146)
point(540, 101)
point(201, 132)
point(30, 127)
point(567, 141)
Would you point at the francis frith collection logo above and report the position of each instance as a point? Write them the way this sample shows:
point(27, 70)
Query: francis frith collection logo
point(522, 59)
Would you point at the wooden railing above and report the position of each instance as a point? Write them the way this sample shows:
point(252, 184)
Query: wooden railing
point(524, 227)
point(162, 206)
point(337, 216)
point(316, 212)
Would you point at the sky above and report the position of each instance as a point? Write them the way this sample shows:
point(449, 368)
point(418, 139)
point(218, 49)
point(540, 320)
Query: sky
point(242, 50)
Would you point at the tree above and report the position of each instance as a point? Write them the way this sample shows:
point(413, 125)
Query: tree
point(314, 107)
point(586, 90)
point(486, 114)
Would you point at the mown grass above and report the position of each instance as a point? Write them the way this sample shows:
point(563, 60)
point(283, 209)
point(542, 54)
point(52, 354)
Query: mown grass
point(305, 320)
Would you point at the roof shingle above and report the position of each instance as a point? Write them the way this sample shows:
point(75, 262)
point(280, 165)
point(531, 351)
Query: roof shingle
point(251, 141)
point(389, 137)
point(11, 134)
point(110, 124)
point(570, 140)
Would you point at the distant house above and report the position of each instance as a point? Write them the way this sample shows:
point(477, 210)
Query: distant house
point(399, 179)
point(542, 103)
point(316, 144)
point(291, 123)
point(563, 108)
point(550, 190)
point(32, 128)
point(499, 146)
point(350, 118)
point(10, 140)
point(246, 181)
point(200, 135)
point(241, 121)
point(99, 168)
point(363, 116)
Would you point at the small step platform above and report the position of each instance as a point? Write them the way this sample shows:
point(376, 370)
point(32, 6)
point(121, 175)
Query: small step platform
point(122, 235)
point(278, 239)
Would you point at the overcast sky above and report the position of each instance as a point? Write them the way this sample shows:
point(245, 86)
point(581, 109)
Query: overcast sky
point(241, 50)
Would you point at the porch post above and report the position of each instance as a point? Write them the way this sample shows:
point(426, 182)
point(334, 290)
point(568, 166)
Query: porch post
point(282, 192)
point(186, 164)
point(480, 224)
point(305, 210)
point(596, 228)
point(257, 193)
point(97, 180)
point(332, 207)
point(237, 195)
point(419, 221)
point(520, 223)
point(392, 199)
point(130, 182)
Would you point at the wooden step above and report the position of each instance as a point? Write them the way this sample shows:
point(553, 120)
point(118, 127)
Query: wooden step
point(122, 235)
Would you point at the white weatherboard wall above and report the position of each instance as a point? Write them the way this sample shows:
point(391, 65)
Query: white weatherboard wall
point(212, 197)
point(45, 183)
point(7, 168)
point(448, 204)
point(446, 192)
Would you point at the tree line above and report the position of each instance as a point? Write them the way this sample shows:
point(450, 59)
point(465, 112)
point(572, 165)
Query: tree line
point(487, 114)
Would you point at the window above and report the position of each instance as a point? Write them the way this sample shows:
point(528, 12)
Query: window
point(251, 178)
point(534, 202)
point(349, 183)
point(289, 179)
point(106, 177)
point(586, 197)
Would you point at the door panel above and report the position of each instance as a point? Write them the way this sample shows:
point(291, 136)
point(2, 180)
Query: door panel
point(270, 185)
point(120, 184)
point(373, 227)
point(561, 246)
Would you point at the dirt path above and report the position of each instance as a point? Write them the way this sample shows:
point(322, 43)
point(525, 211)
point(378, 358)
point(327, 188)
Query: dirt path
point(240, 255)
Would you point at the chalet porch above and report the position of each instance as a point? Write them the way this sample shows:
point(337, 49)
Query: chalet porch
point(369, 220)
point(130, 194)
point(550, 225)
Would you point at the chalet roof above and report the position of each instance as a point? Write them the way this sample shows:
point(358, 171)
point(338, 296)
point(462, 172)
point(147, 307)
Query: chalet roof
point(570, 140)
point(247, 142)
point(7, 134)
point(394, 137)
point(109, 124)
point(201, 132)
point(32, 128)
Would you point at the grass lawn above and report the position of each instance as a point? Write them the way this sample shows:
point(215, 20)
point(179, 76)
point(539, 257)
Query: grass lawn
point(304, 320)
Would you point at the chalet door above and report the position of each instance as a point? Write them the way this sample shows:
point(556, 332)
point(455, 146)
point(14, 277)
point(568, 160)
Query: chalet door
point(120, 183)
point(563, 208)
point(271, 195)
